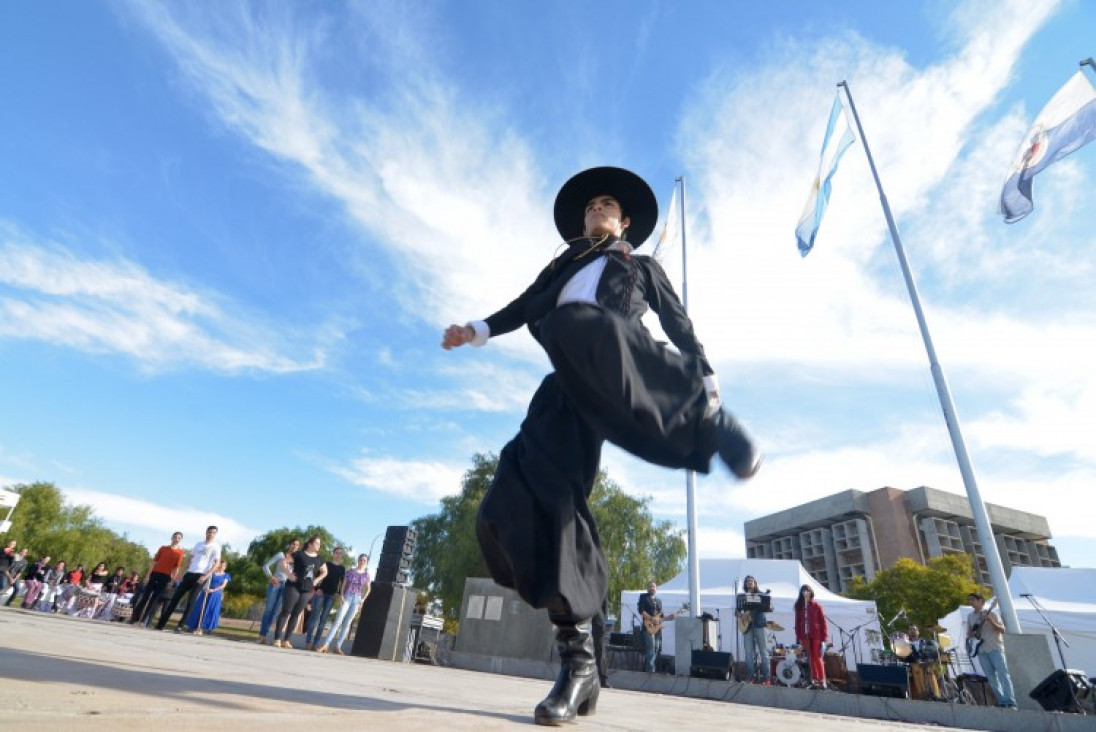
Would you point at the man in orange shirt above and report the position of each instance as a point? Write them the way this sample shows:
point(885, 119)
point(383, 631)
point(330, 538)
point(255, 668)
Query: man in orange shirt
point(165, 567)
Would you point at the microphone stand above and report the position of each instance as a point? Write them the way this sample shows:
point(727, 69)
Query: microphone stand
point(841, 633)
point(856, 650)
point(1059, 641)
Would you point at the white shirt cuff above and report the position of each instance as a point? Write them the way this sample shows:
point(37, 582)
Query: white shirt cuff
point(482, 333)
point(711, 383)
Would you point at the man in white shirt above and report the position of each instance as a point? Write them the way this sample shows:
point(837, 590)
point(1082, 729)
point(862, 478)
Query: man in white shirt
point(203, 558)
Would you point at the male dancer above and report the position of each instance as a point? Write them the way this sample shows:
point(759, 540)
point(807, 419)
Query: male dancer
point(612, 381)
point(165, 569)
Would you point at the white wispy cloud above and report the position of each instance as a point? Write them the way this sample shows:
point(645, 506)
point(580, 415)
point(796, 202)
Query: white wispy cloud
point(49, 293)
point(421, 481)
point(407, 163)
point(156, 522)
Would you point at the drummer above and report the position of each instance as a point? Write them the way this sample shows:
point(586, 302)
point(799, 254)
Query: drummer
point(916, 643)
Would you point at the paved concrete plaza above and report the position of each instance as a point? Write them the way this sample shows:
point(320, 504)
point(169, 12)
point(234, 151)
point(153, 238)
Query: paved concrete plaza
point(64, 673)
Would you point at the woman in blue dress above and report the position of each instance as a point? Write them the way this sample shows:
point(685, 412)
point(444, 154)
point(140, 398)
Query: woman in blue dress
point(207, 614)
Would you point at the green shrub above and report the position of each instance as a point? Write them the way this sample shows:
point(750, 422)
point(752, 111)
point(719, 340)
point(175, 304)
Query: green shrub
point(237, 606)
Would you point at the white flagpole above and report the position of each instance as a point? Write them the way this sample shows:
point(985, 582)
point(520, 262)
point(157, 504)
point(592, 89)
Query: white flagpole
point(690, 476)
point(977, 507)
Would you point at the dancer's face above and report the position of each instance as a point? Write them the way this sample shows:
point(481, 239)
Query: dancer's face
point(604, 216)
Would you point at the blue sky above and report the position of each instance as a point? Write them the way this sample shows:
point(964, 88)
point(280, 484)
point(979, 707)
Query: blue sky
point(231, 235)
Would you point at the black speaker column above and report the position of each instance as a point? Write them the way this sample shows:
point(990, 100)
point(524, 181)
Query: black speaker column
point(385, 622)
point(396, 554)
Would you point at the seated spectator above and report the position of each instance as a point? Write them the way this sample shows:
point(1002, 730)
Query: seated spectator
point(50, 586)
point(112, 589)
point(35, 577)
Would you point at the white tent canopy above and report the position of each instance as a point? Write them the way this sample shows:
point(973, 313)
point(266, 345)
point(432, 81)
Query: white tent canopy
point(849, 620)
point(1068, 600)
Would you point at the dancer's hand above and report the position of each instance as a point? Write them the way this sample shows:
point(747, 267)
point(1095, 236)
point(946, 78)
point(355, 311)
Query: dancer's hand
point(457, 335)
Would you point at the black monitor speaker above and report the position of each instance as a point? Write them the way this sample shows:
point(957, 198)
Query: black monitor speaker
point(1061, 691)
point(711, 665)
point(878, 680)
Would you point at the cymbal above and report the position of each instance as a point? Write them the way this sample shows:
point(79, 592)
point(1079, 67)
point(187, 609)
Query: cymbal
point(773, 625)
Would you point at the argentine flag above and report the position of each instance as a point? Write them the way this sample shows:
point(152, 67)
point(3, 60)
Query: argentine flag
point(838, 138)
point(1067, 123)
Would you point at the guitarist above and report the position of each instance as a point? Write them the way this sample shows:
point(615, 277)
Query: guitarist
point(985, 626)
point(650, 607)
point(751, 623)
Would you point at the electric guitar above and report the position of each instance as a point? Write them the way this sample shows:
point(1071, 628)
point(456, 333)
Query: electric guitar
point(974, 640)
point(653, 624)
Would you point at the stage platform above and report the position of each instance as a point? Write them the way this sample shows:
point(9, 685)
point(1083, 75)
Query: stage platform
point(67, 673)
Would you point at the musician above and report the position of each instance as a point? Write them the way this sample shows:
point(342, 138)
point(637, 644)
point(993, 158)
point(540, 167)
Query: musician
point(986, 626)
point(650, 607)
point(751, 622)
point(811, 631)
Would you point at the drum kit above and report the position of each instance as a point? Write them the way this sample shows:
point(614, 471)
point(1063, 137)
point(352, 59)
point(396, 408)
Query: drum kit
point(923, 661)
point(790, 665)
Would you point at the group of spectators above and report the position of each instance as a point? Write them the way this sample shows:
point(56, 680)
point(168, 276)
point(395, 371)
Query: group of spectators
point(299, 579)
point(55, 588)
point(122, 596)
point(301, 583)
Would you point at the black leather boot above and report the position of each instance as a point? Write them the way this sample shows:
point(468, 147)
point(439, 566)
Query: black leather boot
point(576, 688)
point(735, 447)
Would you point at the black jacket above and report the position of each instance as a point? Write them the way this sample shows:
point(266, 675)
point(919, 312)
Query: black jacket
point(629, 286)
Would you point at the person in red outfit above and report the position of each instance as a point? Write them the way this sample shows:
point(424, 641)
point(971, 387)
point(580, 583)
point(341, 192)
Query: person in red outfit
point(810, 631)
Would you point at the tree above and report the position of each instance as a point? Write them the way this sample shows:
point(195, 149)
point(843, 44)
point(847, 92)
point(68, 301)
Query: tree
point(46, 525)
point(637, 548)
point(247, 569)
point(927, 592)
point(446, 550)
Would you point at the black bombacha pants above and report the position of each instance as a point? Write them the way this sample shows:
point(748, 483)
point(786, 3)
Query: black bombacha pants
point(612, 381)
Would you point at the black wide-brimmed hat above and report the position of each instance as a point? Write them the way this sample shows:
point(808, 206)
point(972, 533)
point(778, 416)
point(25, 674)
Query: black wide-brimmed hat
point(636, 198)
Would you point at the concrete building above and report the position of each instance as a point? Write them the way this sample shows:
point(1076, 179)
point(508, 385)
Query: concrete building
point(855, 534)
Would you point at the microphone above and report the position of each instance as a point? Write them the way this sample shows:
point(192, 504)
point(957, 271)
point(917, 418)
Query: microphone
point(1025, 594)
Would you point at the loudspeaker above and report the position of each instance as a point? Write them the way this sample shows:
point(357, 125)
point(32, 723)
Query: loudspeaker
point(876, 680)
point(385, 622)
point(396, 554)
point(400, 540)
point(620, 640)
point(711, 665)
point(1061, 691)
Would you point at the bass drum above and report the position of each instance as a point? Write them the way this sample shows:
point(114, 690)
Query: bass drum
point(787, 672)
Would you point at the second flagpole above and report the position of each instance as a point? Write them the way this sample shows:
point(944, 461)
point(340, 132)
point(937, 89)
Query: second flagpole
point(977, 507)
point(690, 476)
